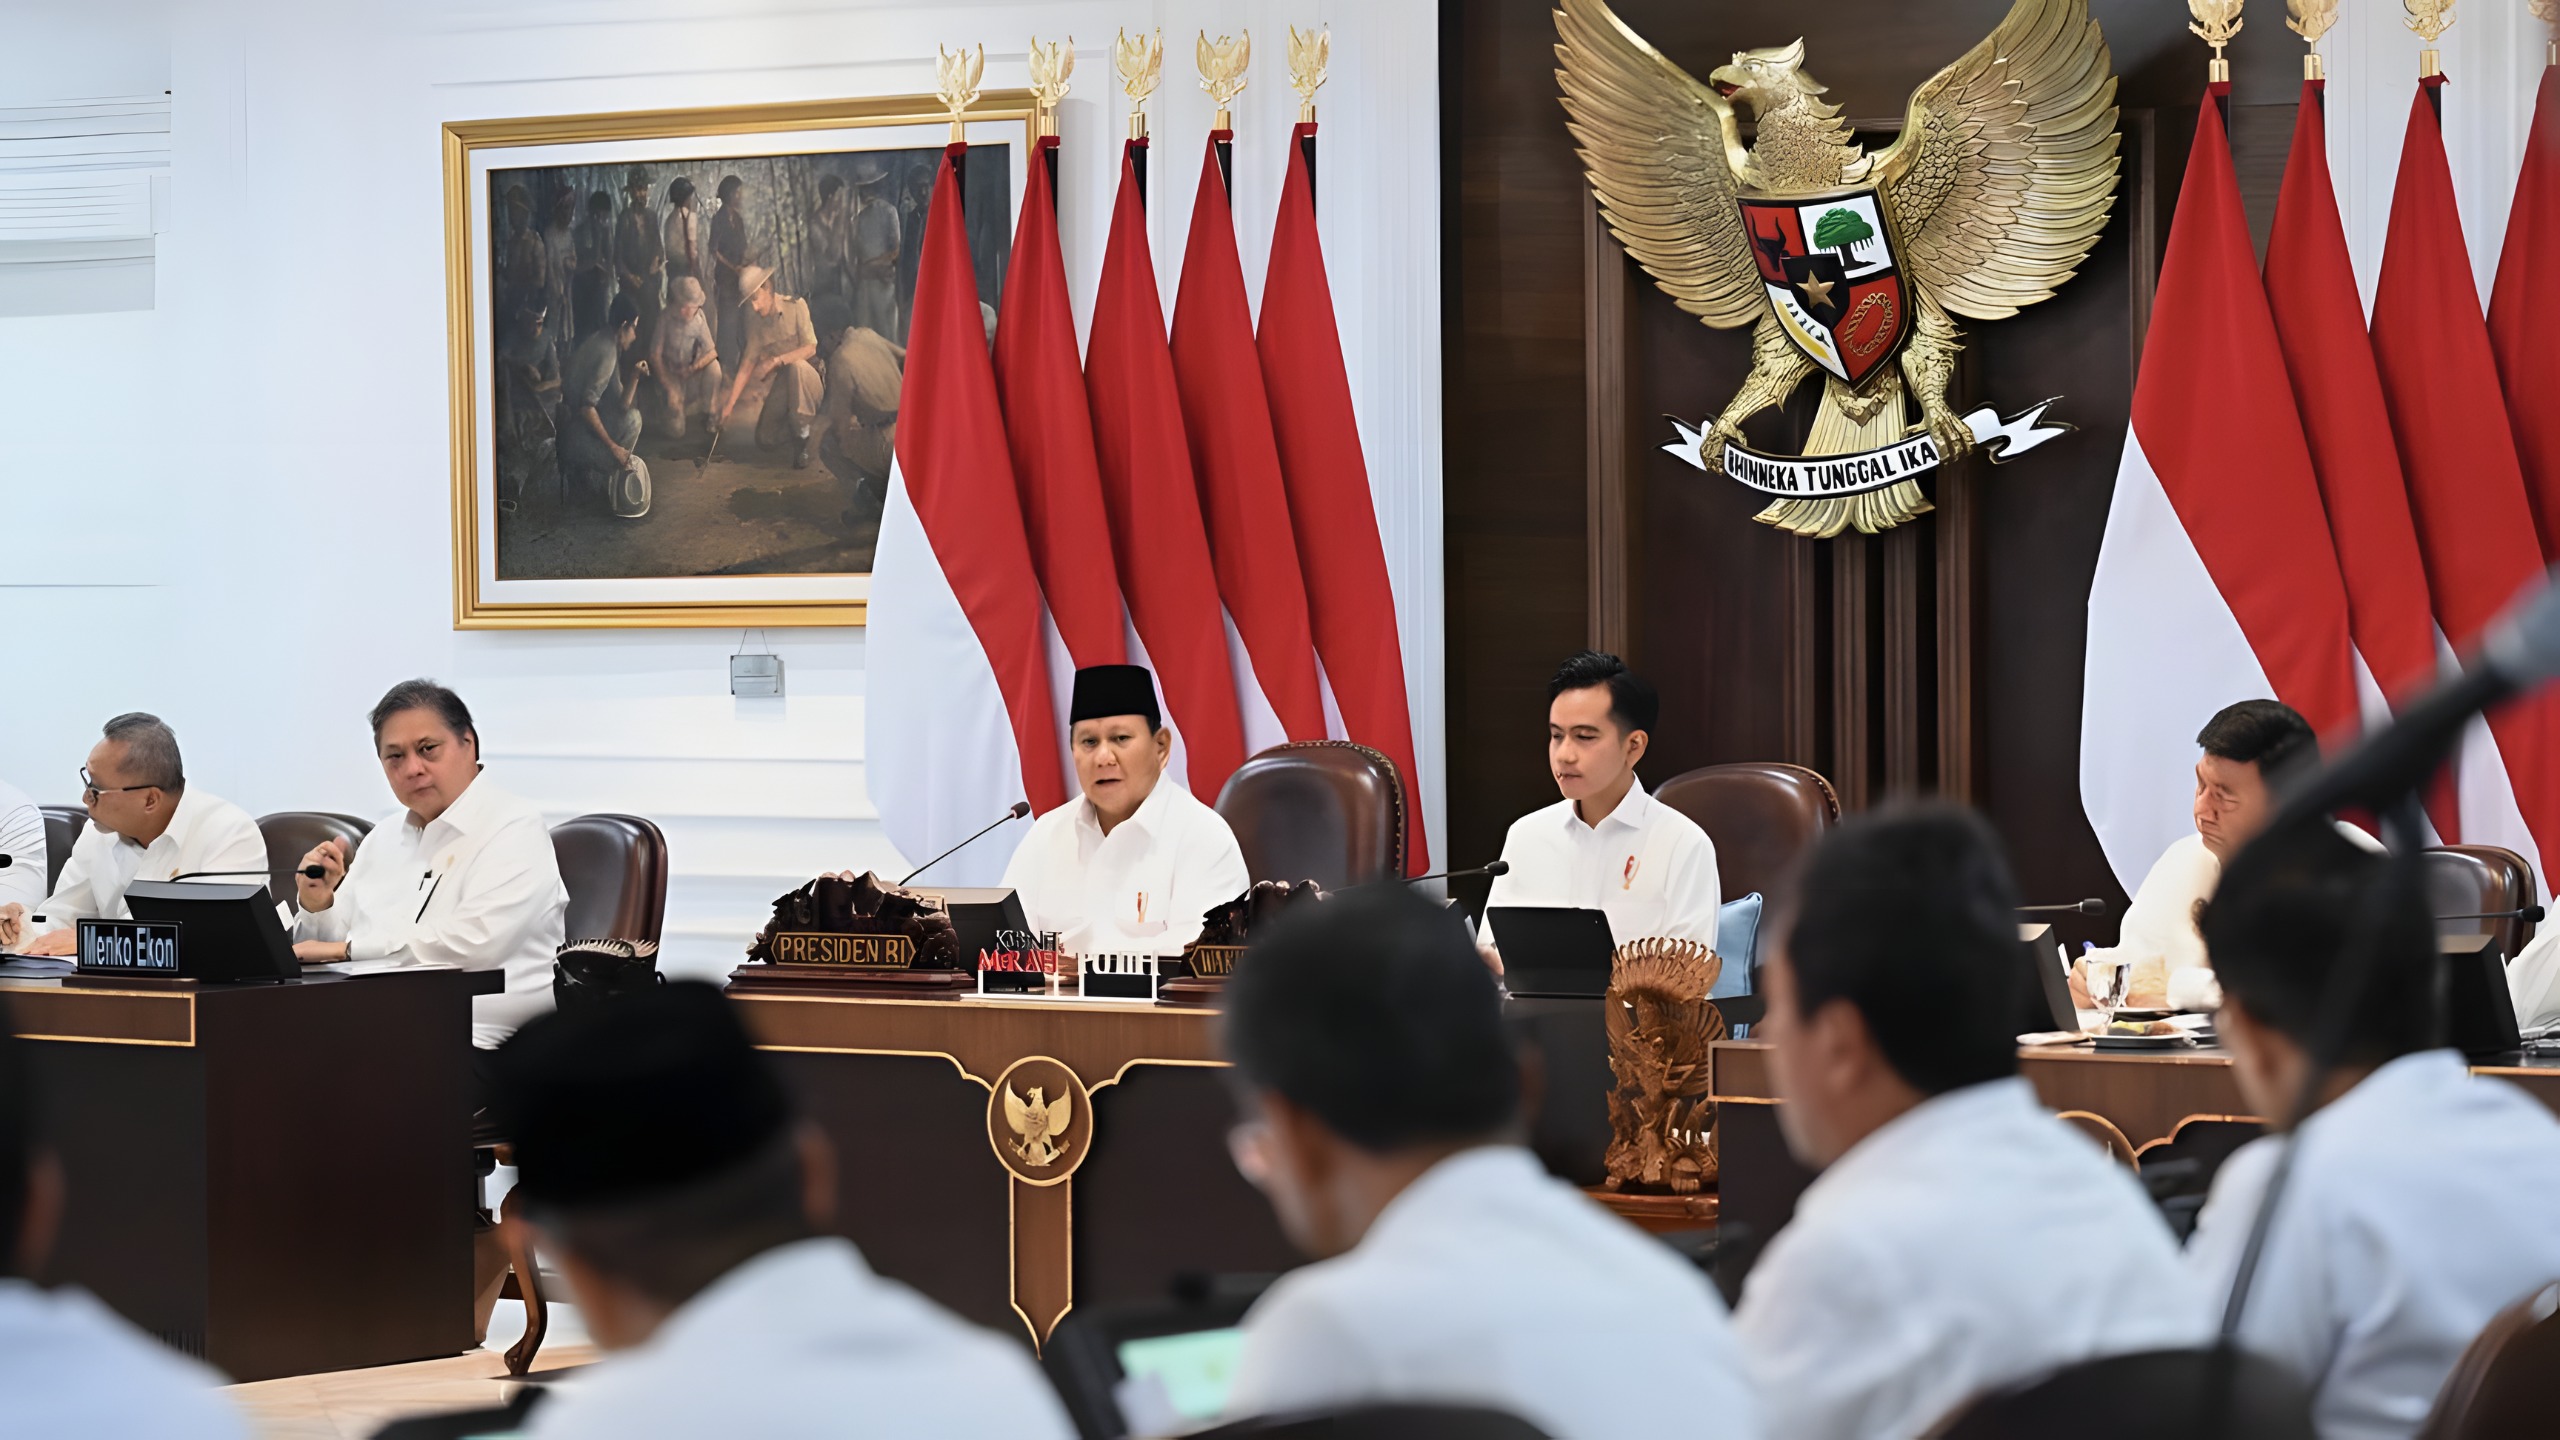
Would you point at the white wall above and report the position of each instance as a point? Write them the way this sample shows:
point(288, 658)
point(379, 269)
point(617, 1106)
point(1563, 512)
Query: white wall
point(232, 510)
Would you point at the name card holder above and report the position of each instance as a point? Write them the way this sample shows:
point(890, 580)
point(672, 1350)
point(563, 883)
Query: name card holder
point(129, 949)
point(1022, 962)
point(1122, 977)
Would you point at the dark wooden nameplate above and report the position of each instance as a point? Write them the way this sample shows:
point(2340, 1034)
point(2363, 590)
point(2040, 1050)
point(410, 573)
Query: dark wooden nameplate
point(1206, 968)
point(757, 977)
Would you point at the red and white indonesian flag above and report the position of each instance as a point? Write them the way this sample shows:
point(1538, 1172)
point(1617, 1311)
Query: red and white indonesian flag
point(2466, 487)
point(2524, 312)
point(2217, 580)
point(957, 718)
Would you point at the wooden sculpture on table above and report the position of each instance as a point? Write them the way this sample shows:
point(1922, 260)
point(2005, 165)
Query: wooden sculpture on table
point(1660, 1023)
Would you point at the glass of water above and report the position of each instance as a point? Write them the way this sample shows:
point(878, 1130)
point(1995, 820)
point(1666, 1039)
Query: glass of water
point(2107, 978)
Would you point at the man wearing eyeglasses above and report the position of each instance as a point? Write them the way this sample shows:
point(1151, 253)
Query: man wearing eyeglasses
point(145, 823)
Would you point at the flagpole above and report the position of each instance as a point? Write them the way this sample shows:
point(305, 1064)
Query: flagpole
point(1141, 64)
point(1051, 64)
point(1308, 55)
point(1222, 65)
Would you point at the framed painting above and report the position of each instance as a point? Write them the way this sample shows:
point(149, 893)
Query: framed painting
point(677, 340)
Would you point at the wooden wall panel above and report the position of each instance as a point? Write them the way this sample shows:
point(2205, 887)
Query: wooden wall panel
point(1945, 659)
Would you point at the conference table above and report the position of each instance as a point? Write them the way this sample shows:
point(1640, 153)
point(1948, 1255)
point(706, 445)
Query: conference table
point(2135, 1100)
point(1115, 1199)
point(276, 1178)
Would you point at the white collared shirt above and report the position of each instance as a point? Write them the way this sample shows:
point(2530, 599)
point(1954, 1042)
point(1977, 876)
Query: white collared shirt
point(1972, 1242)
point(206, 832)
point(477, 888)
point(22, 840)
point(1140, 890)
point(807, 1340)
point(1647, 865)
point(2421, 1204)
point(69, 1366)
point(2160, 924)
point(1489, 1282)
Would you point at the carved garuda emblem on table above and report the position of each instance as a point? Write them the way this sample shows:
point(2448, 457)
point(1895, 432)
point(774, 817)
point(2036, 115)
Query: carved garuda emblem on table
point(1845, 262)
point(1039, 1120)
point(1039, 1126)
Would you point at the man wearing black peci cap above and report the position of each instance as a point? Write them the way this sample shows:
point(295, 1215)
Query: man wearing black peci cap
point(662, 1166)
point(1129, 867)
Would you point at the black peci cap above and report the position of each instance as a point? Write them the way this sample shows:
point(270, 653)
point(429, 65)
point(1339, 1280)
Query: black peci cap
point(1106, 690)
point(641, 1094)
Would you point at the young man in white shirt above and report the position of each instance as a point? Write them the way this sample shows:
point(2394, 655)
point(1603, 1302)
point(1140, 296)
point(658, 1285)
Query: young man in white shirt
point(462, 874)
point(1607, 845)
point(22, 881)
point(145, 823)
point(1131, 865)
point(69, 1365)
point(2420, 1202)
point(2243, 746)
point(1382, 1104)
point(1960, 1238)
point(661, 1166)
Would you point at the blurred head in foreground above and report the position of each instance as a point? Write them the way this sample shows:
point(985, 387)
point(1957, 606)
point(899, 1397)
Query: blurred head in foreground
point(1897, 974)
point(2289, 907)
point(1368, 1045)
point(655, 1151)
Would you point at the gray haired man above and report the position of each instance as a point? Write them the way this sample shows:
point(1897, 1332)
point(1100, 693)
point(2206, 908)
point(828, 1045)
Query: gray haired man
point(145, 823)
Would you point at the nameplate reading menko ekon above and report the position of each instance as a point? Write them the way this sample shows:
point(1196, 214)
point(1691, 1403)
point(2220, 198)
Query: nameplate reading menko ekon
point(128, 947)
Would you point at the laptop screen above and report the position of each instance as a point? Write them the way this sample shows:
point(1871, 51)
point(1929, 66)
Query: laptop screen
point(1172, 1383)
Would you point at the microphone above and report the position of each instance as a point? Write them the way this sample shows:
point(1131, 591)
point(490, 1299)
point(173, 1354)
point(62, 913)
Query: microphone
point(2518, 652)
point(7, 859)
point(2533, 913)
point(2092, 907)
point(261, 873)
point(1498, 867)
point(1020, 809)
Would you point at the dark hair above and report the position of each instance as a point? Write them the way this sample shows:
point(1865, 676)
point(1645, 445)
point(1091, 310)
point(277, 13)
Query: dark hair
point(601, 202)
point(1909, 914)
point(2283, 915)
point(1632, 702)
point(680, 190)
point(624, 311)
point(829, 185)
point(18, 1142)
point(670, 1244)
point(425, 695)
point(2266, 733)
point(1373, 1010)
point(729, 185)
point(150, 750)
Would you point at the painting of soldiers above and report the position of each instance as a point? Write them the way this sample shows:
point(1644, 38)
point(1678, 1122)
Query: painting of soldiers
point(736, 324)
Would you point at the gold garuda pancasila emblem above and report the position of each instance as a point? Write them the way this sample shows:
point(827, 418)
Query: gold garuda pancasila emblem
point(1039, 1126)
point(1848, 262)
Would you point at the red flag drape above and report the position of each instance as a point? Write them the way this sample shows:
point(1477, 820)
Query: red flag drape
point(1350, 603)
point(2524, 313)
point(2466, 490)
point(1236, 462)
point(2311, 287)
point(1156, 528)
point(1040, 381)
point(959, 476)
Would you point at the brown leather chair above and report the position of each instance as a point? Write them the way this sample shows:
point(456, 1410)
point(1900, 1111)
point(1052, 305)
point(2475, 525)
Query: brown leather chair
point(615, 870)
point(62, 825)
point(2506, 1386)
point(2143, 1396)
point(1323, 810)
point(290, 834)
point(2481, 880)
point(1762, 814)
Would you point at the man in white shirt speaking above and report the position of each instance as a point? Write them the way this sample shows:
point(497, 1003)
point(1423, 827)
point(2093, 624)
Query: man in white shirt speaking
point(69, 1365)
point(462, 874)
point(1607, 845)
point(662, 1168)
point(145, 823)
point(1131, 865)
point(2421, 1197)
point(1960, 1238)
point(22, 882)
point(1382, 1117)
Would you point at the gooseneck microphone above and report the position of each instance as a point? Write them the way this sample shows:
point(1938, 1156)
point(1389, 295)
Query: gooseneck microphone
point(1498, 867)
point(1020, 809)
point(260, 873)
point(2092, 907)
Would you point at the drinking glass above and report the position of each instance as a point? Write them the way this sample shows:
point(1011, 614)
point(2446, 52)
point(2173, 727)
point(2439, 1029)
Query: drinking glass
point(2107, 979)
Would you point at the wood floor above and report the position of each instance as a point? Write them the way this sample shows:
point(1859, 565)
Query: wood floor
point(352, 1404)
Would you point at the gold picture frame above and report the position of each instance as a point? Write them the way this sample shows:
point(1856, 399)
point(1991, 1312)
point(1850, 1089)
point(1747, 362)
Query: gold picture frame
point(481, 596)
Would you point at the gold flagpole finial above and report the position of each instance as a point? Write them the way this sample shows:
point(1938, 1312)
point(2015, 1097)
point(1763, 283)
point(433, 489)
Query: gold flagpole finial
point(1308, 55)
point(2548, 12)
point(2430, 18)
point(2215, 23)
point(2311, 20)
point(1051, 64)
point(959, 75)
point(1222, 65)
point(1141, 67)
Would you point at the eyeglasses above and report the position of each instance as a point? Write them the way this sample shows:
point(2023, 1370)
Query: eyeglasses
point(90, 789)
